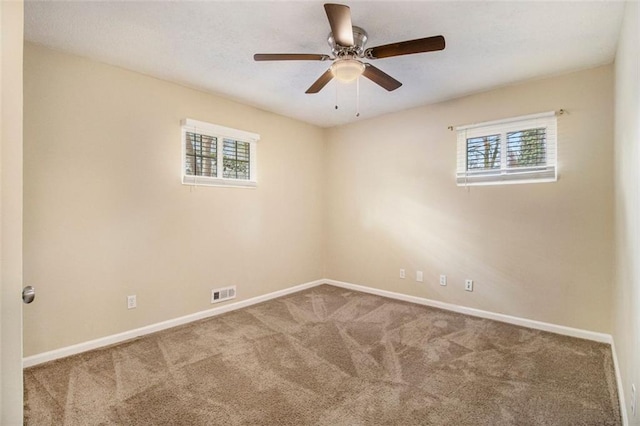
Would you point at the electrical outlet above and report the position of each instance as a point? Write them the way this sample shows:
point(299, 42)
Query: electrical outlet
point(419, 276)
point(443, 280)
point(468, 285)
point(402, 273)
point(634, 402)
point(131, 302)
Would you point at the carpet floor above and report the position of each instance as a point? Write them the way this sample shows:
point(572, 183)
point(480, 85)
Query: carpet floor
point(330, 356)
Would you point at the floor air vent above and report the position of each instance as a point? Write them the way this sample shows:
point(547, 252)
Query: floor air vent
point(222, 294)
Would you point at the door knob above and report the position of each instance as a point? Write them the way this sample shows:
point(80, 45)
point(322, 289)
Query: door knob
point(28, 294)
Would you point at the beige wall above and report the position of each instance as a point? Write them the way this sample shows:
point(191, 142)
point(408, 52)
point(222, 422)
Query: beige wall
point(106, 215)
point(539, 251)
point(626, 330)
point(11, 41)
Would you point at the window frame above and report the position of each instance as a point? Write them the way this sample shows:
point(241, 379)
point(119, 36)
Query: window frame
point(505, 174)
point(220, 133)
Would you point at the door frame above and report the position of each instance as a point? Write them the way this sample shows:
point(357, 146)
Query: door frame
point(11, 121)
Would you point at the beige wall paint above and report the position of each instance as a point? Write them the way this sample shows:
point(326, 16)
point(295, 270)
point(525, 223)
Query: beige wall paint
point(106, 215)
point(539, 251)
point(626, 302)
point(11, 51)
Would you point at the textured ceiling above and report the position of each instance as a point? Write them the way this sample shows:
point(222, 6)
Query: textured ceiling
point(210, 46)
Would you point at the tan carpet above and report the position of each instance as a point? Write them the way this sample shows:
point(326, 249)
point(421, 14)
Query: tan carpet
point(329, 356)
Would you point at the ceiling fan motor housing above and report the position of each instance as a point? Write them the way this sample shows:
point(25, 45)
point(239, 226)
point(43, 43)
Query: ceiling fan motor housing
point(359, 40)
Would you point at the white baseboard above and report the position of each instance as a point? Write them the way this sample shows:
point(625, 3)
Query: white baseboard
point(131, 334)
point(538, 325)
point(623, 408)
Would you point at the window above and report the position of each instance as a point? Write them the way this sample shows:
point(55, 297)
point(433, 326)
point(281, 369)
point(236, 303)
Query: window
point(217, 156)
point(515, 150)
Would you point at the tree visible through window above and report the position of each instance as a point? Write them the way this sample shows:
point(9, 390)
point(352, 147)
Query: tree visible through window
point(201, 155)
point(236, 159)
point(483, 153)
point(526, 148)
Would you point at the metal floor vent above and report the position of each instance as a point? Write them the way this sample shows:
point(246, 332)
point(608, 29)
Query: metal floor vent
point(222, 294)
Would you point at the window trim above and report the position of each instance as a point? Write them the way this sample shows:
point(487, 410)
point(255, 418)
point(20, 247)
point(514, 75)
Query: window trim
point(506, 175)
point(220, 133)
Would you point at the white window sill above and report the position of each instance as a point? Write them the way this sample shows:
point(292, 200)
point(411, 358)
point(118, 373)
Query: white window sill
point(207, 181)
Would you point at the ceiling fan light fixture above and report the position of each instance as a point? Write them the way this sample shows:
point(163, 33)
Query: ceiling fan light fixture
point(346, 70)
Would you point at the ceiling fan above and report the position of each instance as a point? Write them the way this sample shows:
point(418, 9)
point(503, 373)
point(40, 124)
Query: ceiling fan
point(347, 45)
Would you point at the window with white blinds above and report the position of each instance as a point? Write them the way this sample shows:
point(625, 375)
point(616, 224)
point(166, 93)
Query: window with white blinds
point(217, 156)
point(514, 150)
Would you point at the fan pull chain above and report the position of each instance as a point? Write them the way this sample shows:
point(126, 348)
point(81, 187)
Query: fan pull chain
point(358, 97)
point(336, 84)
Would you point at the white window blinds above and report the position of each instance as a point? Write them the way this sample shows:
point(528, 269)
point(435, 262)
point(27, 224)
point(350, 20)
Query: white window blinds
point(515, 150)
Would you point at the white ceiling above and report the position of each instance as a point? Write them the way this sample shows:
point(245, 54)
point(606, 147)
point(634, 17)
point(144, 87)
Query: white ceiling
point(210, 46)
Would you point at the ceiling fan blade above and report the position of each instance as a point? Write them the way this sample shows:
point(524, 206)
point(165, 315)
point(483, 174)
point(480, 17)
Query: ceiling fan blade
point(289, 57)
point(321, 82)
point(339, 17)
point(380, 77)
point(421, 45)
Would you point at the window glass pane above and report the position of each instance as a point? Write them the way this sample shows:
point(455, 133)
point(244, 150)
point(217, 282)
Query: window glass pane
point(236, 160)
point(527, 148)
point(201, 155)
point(483, 153)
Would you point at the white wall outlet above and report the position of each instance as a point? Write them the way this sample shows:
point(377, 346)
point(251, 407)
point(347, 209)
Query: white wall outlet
point(402, 273)
point(419, 276)
point(468, 285)
point(443, 280)
point(131, 302)
point(634, 401)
